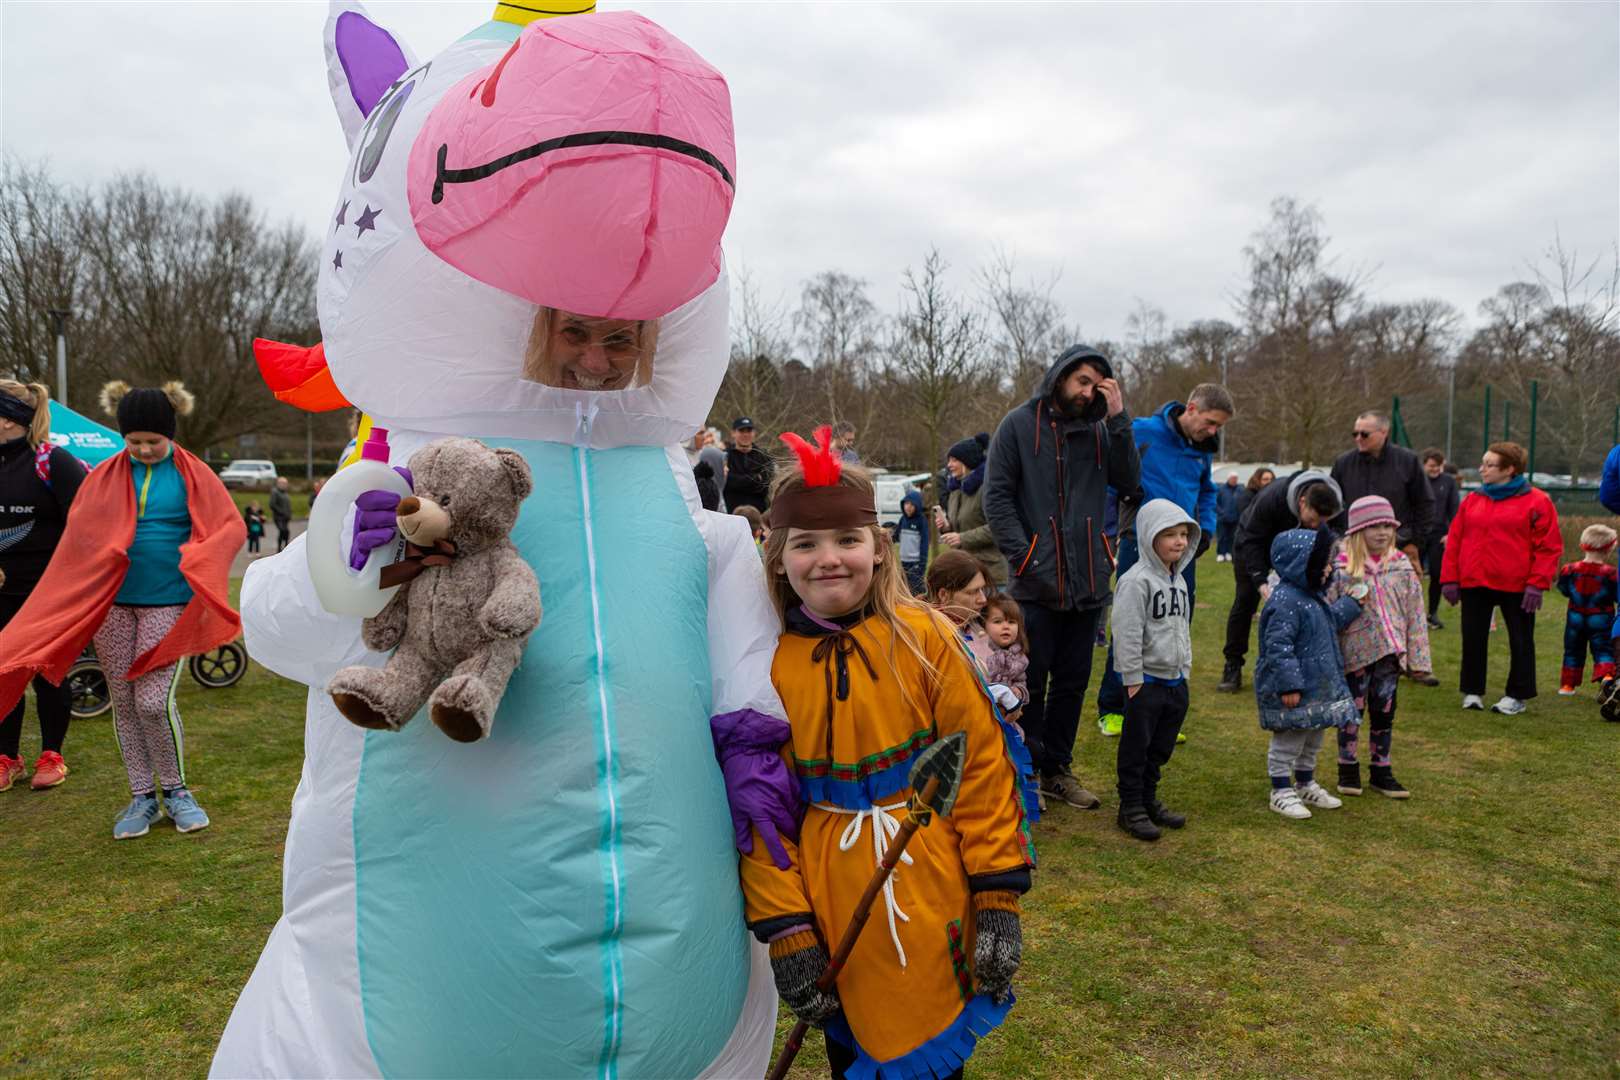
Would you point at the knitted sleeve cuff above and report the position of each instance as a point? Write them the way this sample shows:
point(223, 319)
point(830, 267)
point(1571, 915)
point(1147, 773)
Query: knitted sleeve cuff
point(1001, 900)
point(804, 939)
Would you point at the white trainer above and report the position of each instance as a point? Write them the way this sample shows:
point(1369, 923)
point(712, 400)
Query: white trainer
point(1473, 701)
point(1286, 802)
point(1508, 706)
point(1314, 794)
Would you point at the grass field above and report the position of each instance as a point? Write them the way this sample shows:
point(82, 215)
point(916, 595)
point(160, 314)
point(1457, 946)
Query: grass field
point(1471, 931)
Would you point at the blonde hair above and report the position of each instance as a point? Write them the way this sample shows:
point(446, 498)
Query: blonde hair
point(540, 366)
point(1357, 553)
point(1593, 538)
point(36, 394)
point(888, 594)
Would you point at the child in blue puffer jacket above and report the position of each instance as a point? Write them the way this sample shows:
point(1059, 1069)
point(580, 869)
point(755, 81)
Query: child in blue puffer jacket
point(1299, 680)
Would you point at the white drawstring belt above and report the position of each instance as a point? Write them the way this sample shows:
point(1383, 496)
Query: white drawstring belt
point(884, 828)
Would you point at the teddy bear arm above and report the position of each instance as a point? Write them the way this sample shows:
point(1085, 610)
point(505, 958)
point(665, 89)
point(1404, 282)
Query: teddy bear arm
point(513, 607)
point(385, 630)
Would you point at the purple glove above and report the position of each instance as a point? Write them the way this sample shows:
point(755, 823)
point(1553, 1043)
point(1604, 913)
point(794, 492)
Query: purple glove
point(1452, 593)
point(1532, 600)
point(762, 793)
point(375, 524)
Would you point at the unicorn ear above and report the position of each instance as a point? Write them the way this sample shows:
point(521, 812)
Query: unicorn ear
point(362, 61)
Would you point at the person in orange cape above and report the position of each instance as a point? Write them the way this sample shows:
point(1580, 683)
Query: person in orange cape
point(870, 676)
point(143, 566)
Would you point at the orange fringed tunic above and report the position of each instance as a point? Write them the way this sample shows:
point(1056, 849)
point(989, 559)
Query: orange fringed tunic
point(907, 990)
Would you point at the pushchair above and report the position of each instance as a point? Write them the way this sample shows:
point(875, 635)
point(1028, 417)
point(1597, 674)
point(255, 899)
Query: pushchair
point(88, 695)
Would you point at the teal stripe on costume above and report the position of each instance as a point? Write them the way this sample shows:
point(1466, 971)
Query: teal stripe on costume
point(488, 942)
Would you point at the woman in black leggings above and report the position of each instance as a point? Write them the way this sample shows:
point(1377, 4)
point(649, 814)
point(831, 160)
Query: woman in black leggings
point(37, 485)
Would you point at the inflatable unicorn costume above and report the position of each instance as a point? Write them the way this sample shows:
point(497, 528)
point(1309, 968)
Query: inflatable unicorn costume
point(560, 899)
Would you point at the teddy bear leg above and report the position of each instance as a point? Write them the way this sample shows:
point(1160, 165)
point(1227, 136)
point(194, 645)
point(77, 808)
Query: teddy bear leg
point(464, 704)
point(381, 699)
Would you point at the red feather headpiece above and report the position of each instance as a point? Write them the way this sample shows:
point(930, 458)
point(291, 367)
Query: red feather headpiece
point(822, 467)
point(824, 502)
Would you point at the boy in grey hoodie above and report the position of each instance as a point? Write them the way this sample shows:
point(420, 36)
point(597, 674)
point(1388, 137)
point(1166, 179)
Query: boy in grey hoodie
point(1153, 652)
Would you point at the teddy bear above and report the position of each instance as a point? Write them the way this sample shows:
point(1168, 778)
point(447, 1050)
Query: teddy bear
point(460, 620)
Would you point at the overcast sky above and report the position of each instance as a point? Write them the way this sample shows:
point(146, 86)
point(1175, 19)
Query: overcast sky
point(1132, 147)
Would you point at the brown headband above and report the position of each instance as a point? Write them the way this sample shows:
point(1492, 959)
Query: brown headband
point(830, 507)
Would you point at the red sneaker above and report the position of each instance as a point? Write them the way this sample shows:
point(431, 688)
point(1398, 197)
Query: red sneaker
point(11, 770)
point(49, 771)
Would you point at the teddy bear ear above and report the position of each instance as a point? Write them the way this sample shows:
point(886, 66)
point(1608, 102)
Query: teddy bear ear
point(517, 471)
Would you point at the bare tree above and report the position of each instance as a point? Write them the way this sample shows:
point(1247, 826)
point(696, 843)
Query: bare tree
point(838, 327)
point(39, 266)
point(754, 385)
point(1300, 321)
point(1027, 327)
point(1581, 349)
point(180, 287)
point(937, 350)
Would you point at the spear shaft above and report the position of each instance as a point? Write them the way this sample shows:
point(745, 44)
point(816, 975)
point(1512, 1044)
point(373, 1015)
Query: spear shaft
point(917, 815)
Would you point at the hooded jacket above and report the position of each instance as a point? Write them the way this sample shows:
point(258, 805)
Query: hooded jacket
point(1230, 503)
point(1152, 631)
point(1299, 642)
point(1397, 475)
point(1048, 480)
point(1174, 467)
point(917, 523)
point(1273, 511)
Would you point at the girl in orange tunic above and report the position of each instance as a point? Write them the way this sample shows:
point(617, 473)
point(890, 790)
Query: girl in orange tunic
point(870, 677)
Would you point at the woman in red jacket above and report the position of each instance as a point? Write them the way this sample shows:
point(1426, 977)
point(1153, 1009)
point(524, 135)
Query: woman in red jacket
point(1502, 553)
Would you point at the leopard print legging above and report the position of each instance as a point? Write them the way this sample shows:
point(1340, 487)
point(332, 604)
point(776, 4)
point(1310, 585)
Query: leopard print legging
point(144, 714)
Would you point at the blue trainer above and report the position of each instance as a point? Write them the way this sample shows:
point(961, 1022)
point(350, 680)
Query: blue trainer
point(137, 817)
point(182, 807)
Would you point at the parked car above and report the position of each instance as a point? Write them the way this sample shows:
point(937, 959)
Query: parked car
point(248, 473)
point(891, 488)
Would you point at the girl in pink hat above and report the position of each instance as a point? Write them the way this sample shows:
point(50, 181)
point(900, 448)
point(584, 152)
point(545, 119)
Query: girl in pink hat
point(1389, 637)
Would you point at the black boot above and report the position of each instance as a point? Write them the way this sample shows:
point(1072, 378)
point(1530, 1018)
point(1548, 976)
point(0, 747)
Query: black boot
point(1134, 820)
point(1163, 816)
point(1231, 679)
point(1382, 780)
point(1350, 778)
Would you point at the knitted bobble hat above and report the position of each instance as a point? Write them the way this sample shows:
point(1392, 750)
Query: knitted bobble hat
point(1370, 510)
point(970, 452)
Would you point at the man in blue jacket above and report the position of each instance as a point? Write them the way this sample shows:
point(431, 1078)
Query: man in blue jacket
point(1176, 445)
point(1609, 488)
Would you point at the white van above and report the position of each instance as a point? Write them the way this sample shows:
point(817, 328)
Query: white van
point(891, 489)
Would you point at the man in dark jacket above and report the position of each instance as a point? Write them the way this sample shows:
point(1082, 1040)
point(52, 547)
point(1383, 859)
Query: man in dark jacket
point(1306, 500)
point(281, 512)
point(1378, 467)
point(1447, 498)
point(748, 470)
point(1051, 463)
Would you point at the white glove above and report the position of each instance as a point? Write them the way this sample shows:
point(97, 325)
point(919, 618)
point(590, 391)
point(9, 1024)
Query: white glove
point(1004, 696)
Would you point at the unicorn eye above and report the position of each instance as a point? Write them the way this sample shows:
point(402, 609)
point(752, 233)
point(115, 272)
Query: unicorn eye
point(380, 125)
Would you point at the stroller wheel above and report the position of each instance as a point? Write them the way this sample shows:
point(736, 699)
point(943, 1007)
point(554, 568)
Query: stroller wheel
point(87, 690)
point(223, 667)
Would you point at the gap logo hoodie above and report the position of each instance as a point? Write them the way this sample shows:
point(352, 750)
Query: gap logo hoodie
point(1151, 625)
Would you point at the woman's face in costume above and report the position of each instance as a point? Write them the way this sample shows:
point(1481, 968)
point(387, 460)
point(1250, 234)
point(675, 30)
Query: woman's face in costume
point(594, 354)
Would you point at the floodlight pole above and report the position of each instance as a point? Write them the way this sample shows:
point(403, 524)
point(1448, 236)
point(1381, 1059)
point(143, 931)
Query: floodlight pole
point(59, 318)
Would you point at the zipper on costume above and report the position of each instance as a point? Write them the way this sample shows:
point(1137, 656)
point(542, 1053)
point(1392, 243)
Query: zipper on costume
point(613, 965)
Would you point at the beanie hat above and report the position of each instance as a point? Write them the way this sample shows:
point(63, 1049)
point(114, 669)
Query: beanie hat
point(146, 409)
point(1370, 510)
point(970, 452)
